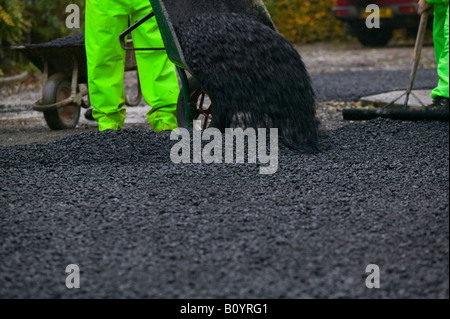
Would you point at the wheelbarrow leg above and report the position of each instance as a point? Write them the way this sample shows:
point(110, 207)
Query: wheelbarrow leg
point(74, 83)
point(77, 98)
point(45, 77)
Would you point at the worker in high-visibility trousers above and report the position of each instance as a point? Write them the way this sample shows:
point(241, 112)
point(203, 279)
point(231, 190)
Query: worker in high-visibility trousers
point(440, 94)
point(105, 21)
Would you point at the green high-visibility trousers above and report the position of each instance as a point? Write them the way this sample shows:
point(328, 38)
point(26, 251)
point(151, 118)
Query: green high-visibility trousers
point(441, 44)
point(105, 20)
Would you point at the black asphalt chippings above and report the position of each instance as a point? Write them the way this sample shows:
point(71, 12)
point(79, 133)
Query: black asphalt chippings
point(140, 226)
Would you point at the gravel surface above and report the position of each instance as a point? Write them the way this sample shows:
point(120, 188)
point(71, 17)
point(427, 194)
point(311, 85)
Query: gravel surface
point(140, 226)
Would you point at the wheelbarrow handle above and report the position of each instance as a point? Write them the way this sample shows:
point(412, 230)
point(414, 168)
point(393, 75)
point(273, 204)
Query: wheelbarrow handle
point(124, 34)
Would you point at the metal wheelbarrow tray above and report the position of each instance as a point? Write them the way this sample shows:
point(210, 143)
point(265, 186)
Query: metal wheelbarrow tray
point(169, 13)
point(64, 65)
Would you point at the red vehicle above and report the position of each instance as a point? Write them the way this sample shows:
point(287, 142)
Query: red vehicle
point(394, 14)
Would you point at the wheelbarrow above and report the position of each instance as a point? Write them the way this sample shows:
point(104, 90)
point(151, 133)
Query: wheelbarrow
point(194, 107)
point(64, 67)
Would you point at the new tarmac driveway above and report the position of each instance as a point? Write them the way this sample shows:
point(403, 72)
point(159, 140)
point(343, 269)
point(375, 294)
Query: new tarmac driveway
point(353, 85)
point(140, 226)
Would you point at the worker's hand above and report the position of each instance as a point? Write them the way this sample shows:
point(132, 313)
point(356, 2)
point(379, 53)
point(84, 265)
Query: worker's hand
point(424, 6)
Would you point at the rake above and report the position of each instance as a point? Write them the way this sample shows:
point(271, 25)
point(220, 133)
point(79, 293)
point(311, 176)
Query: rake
point(404, 114)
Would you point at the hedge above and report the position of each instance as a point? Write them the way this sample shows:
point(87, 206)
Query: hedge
point(303, 21)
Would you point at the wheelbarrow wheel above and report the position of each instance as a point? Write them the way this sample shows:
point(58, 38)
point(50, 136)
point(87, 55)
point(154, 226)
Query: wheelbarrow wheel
point(200, 108)
point(56, 89)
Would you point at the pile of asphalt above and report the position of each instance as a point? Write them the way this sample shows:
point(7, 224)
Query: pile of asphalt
point(254, 76)
point(140, 226)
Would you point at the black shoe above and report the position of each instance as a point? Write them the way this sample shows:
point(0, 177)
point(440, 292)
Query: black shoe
point(439, 104)
point(88, 115)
